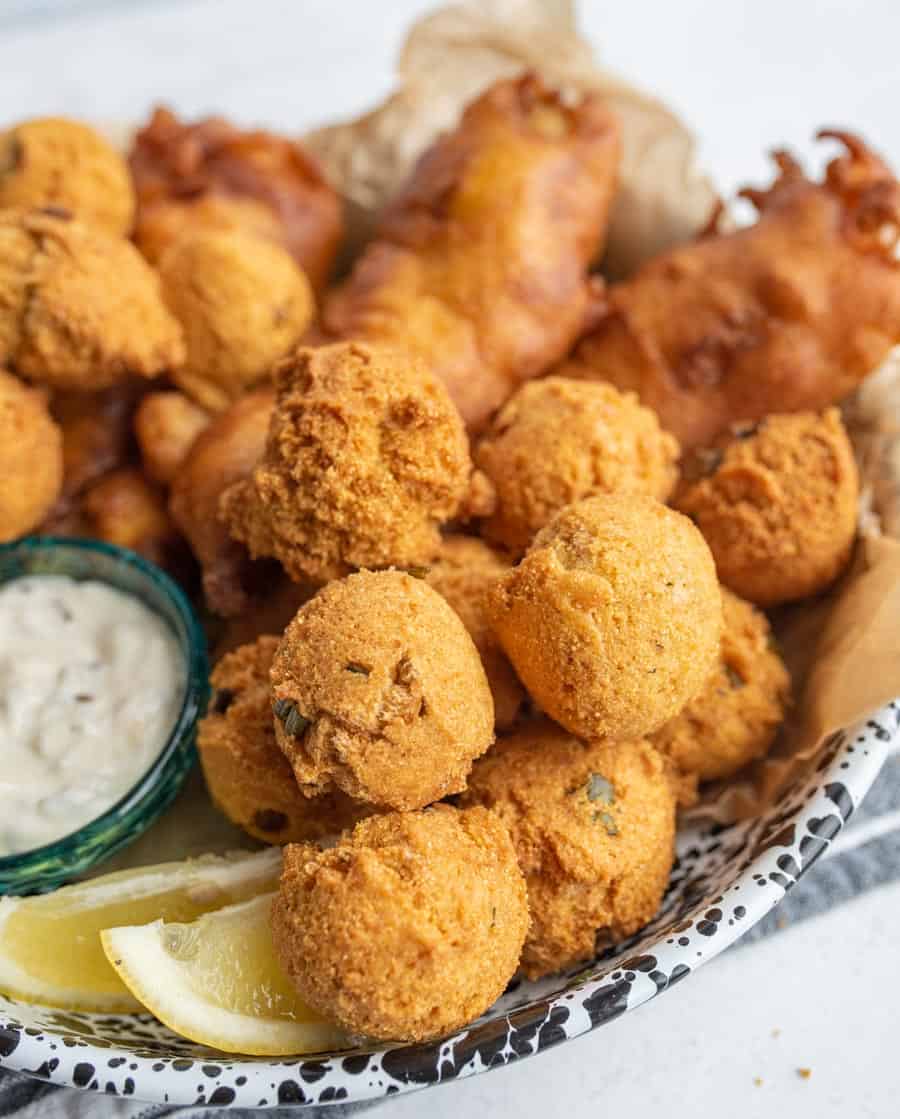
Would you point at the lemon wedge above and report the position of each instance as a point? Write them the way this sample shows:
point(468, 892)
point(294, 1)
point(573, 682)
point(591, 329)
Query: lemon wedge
point(216, 981)
point(50, 949)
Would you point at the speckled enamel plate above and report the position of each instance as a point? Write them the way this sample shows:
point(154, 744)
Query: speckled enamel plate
point(724, 881)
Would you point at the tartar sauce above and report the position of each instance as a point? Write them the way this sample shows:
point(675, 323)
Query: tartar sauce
point(91, 683)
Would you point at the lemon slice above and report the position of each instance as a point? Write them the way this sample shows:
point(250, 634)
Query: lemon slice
point(50, 949)
point(216, 981)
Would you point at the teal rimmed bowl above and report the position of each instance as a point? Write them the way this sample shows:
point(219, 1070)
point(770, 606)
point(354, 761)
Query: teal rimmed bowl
point(44, 868)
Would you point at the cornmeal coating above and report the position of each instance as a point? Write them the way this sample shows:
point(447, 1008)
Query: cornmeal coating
point(378, 688)
point(242, 302)
point(480, 264)
point(125, 509)
point(462, 571)
point(223, 453)
point(166, 425)
point(247, 775)
point(366, 457)
point(409, 928)
point(208, 175)
point(79, 309)
point(736, 716)
point(557, 441)
point(593, 826)
point(31, 458)
point(52, 161)
point(612, 620)
point(787, 314)
point(777, 503)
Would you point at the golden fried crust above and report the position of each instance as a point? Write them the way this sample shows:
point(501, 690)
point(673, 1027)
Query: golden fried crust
point(166, 425)
point(777, 504)
point(594, 830)
point(408, 929)
point(224, 453)
point(557, 441)
point(462, 571)
point(378, 689)
point(247, 775)
point(210, 175)
point(479, 266)
point(242, 302)
point(125, 509)
point(366, 457)
point(736, 716)
point(612, 621)
point(31, 462)
point(97, 432)
point(57, 162)
point(79, 309)
point(788, 314)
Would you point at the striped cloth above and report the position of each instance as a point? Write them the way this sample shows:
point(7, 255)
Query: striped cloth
point(866, 854)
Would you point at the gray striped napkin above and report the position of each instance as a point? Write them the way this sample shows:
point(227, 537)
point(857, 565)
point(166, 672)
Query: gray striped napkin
point(866, 854)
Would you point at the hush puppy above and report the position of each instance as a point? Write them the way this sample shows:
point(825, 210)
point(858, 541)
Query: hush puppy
point(736, 716)
point(463, 570)
point(612, 620)
point(366, 457)
point(777, 503)
point(166, 425)
point(79, 309)
point(62, 163)
point(247, 775)
point(557, 441)
point(594, 831)
point(409, 928)
point(378, 688)
point(242, 302)
point(31, 458)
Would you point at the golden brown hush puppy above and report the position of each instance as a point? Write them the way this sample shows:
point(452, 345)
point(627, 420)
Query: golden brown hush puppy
point(247, 775)
point(777, 503)
point(242, 302)
point(366, 457)
point(166, 425)
point(31, 458)
point(409, 928)
point(612, 620)
point(378, 688)
point(594, 830)
point(736, 716)
point(557, 441)
point(52, 161)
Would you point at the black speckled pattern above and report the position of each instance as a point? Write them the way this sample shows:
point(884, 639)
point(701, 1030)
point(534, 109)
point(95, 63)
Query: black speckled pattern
point(724, 881)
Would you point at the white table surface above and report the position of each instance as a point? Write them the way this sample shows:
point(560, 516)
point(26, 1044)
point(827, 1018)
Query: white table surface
point(824, 995)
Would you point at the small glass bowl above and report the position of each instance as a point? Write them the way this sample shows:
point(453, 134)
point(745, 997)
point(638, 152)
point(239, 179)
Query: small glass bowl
point(44, 868)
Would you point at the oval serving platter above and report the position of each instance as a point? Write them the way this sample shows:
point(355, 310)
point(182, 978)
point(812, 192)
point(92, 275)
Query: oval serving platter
point(725, 880)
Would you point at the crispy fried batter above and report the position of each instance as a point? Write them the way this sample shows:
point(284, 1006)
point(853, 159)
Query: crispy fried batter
point(53, 161)
point(379, 689)
point(125, 509)
point(210, 175)
point(593, 827)
point(79, 309)
point(788, 314)
point(409, 928)
point(224, 453)
point(777, 504)
point(613, 619)
point(166, 425)
point(479, 266)
point(366, 457)
point(31, 458)
point(557, 441)
point(736, 716)
point(242, 302)
point(248, 776)
point(462, 571)
point(97, 432)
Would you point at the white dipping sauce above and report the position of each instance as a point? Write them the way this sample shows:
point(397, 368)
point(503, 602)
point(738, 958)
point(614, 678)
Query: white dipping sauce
point(91, 684)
